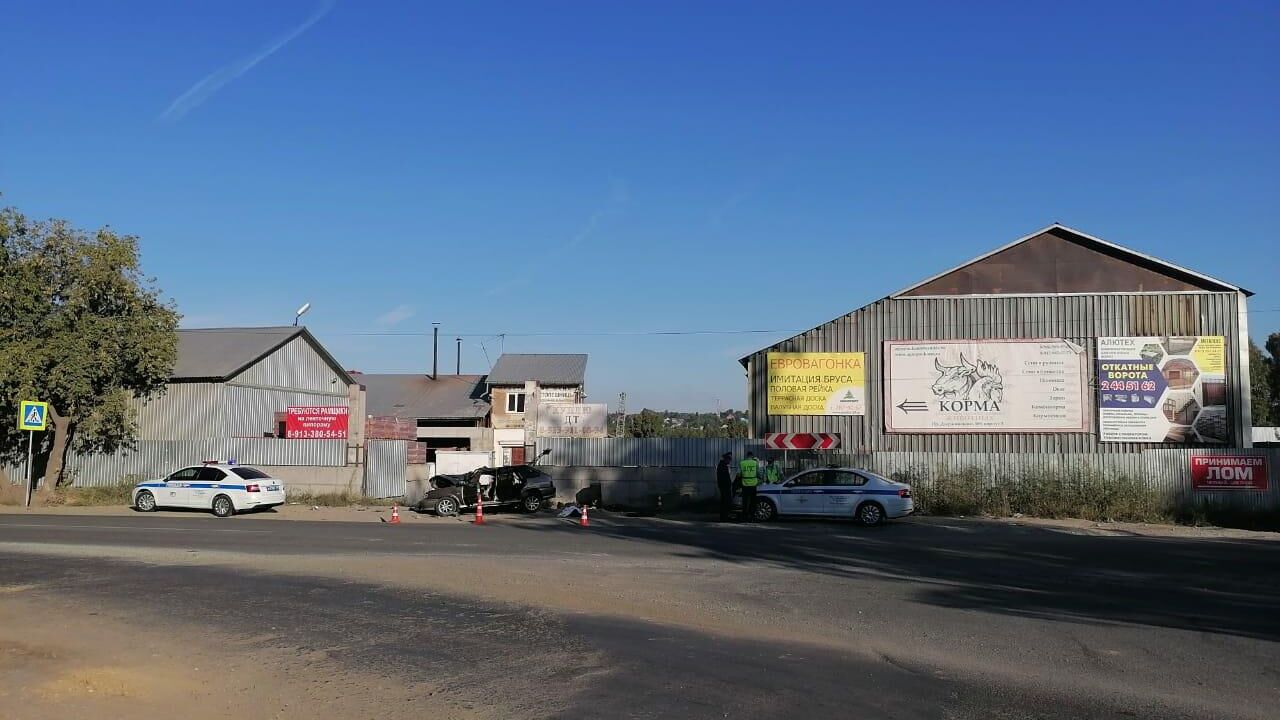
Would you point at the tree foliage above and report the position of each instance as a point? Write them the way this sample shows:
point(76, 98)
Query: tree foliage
point(1273, 367)
point(644, 424)
point(654, 423)
point(1262, 391)
point(80, 328)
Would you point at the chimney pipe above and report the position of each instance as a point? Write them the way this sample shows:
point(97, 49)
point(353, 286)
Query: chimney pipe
point(458, 371)
point(435, 349)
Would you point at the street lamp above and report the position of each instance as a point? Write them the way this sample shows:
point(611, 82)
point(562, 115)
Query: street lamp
point(301, 311)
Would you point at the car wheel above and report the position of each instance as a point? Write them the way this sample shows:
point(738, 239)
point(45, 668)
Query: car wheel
point(447, 507)
point(531, 503)
point(765, 510)
point(145, 502)
point(870, 514)
point(222, 506)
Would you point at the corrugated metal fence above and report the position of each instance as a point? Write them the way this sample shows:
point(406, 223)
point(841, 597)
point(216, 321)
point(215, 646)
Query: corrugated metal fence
point(385, 463)
point(154, 458)
point(1171, 469)
point(1167, 469)
point(647, 452)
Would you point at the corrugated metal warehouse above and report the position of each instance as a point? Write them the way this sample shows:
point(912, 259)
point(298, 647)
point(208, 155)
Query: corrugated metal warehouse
point(232, 382)
point(227, 393)
point(1055, 284)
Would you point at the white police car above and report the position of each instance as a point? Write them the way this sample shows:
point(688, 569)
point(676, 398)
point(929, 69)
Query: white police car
point(223, 488)
point(835, 492)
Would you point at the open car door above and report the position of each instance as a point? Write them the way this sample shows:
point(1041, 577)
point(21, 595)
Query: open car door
point(507, 488)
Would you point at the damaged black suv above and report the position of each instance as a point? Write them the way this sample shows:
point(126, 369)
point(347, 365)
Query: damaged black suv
point(514, 486)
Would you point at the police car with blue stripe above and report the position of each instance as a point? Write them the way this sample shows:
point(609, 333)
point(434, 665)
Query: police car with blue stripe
point(835, 492)
point(223, 488)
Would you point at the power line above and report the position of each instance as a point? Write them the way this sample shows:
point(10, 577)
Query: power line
point(676, 333)
point(564, 333)
point(501, 336)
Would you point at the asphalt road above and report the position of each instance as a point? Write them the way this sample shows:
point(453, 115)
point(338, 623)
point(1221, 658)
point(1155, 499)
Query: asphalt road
point(936, 619)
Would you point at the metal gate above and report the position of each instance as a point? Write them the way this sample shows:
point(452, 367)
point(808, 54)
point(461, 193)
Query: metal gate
point(385, 468)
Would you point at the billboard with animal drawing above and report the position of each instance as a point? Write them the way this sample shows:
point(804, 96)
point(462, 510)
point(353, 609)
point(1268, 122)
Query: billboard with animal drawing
point(985, 386)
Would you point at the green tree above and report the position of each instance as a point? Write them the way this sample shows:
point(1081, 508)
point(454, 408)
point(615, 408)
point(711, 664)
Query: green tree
point(645, 424)
point(81, 328)
point(1273, 363)
point(734, 428)
point(1261, 388)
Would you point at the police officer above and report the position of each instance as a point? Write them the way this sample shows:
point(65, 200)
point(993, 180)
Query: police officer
point(749, 470)
point(772, 473)
point(724, 483)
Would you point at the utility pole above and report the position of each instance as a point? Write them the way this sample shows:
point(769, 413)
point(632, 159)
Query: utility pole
point(458, 371)
point(435, 349)
point(622, 414)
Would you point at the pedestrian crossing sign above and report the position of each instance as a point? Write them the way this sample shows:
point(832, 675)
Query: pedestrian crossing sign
point(33, 415)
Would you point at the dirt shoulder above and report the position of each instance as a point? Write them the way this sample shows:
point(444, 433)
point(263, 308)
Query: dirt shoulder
point(1089, 527)
point(66, 659)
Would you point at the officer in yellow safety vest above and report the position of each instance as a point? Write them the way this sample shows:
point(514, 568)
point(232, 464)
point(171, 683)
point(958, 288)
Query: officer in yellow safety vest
point(772, 473)
point(749, 471)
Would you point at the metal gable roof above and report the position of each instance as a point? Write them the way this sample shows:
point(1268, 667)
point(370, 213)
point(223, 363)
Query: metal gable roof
point(546, 369)
point(414, 396)
point(219, 354)
point(1119, 250)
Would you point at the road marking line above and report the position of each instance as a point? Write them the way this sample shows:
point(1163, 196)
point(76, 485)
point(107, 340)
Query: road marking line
point(128, 527)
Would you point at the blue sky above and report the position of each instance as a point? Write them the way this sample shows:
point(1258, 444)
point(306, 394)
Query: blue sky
point(625, 167)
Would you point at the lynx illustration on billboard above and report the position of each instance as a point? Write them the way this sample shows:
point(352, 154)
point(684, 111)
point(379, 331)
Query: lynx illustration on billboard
point(973, 386)
point(978, 383)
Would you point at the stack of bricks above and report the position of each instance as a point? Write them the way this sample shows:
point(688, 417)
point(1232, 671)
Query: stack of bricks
point(394, 428)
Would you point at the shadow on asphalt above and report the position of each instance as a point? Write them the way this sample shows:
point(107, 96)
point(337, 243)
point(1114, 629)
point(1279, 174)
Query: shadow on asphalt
point(506, 660)
point(1227, 586)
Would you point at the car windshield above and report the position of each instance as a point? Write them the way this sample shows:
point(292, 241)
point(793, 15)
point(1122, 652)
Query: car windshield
point(249, 473)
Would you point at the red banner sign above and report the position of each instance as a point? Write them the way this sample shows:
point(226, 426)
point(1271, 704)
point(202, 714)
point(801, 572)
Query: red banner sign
point(316, 423)
point(1229, 472)
point(802, 441)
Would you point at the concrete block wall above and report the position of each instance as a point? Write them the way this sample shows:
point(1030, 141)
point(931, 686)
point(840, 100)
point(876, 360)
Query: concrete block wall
point(637, 487)
point(321, 480)
point(417, 482)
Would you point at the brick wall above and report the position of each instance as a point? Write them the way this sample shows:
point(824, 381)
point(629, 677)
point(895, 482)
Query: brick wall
point(390, 428)
point(393, 428)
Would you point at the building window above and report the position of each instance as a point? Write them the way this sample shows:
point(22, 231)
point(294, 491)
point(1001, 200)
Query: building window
point(515, 402)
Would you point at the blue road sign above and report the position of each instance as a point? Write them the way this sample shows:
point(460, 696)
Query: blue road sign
point(33, 415)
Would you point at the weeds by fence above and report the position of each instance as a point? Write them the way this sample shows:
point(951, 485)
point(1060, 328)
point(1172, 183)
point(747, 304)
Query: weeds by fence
point(1086, 494)
point(337, 499)
point(120, 493)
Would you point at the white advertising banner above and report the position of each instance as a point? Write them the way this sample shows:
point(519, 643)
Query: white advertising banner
point(1162, 389)
point(566, 420)
point(985, 386)
point(558, 395)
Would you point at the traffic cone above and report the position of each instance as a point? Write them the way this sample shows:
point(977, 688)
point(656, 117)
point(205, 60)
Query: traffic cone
point(583, 520)
point(395, 514)
point(479, 513)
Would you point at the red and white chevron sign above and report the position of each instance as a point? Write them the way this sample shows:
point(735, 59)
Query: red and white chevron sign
point(802, 441)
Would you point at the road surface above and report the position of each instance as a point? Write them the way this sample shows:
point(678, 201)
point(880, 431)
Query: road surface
point(634, 618)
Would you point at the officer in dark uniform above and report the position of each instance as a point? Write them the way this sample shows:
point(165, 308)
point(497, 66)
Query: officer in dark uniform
point(724, 483)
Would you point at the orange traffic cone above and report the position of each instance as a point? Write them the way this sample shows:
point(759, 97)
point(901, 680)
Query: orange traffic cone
point(395, 514)
point(479, 513)
point(583, 520)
